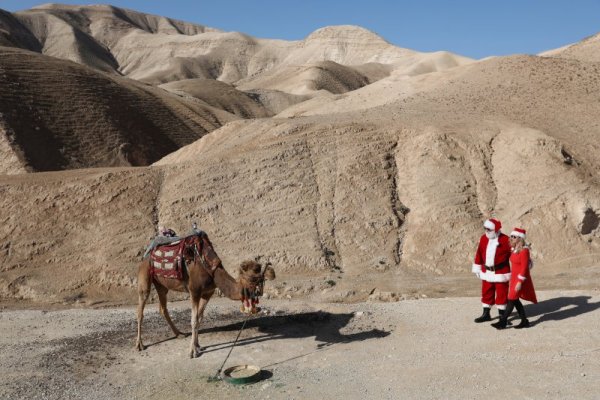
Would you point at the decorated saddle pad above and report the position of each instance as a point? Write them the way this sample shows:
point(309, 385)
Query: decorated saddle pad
point(167, 260)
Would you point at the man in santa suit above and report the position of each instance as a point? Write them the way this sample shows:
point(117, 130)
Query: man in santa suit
point(492, 267)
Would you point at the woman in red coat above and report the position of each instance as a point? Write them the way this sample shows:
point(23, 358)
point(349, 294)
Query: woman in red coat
point(520, 285)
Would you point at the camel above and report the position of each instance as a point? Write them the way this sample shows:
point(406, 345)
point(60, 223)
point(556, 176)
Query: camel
point(203, 273)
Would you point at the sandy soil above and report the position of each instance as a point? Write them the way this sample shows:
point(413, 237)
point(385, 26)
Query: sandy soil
point(426, 349)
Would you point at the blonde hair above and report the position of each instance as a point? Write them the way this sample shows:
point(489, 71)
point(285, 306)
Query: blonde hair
point(521, 244)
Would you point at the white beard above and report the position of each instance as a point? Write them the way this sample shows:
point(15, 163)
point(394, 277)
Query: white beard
point(491, 235)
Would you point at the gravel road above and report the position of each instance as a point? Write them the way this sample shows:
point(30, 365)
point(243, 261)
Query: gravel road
point(414, 349)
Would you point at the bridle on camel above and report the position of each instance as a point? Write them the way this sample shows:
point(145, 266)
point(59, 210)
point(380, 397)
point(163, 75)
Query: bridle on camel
point(260, 285)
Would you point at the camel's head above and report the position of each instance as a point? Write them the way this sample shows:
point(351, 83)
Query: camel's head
point(252, 279)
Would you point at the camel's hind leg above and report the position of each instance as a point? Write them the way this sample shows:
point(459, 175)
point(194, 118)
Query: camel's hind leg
point(201, 306)
point(162, 297)
point(143, 293)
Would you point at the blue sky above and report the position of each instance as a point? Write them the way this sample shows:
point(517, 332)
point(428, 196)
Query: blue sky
point(474, 28)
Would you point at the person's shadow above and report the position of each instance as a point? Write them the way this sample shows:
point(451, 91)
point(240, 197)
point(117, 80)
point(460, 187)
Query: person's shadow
point(560, 308)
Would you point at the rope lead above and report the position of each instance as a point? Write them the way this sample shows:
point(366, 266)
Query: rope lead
point(217, 375)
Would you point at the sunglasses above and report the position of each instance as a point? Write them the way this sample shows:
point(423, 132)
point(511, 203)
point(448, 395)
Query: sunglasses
point(488, 230)
point(514, 237)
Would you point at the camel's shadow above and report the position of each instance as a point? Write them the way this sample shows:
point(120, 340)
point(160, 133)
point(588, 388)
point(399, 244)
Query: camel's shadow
point(324, 326)
point(560, 308)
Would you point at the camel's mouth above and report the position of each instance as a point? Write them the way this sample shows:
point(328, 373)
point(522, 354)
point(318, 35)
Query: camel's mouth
point(250, 296)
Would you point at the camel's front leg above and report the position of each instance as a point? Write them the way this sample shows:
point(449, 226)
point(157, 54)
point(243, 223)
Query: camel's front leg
point(194, 346)
point(196, 349)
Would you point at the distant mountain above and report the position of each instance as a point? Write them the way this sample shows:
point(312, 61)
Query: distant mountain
point(156, 50)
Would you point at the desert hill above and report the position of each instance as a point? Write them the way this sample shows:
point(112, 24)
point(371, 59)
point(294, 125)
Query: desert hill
point(14, 34)
point(57, 115)
point(220, 95)
point(86, 34)
point(553, 95)
point(370, 182)
point(556, 96)
point(585, 50)
point(325, 75)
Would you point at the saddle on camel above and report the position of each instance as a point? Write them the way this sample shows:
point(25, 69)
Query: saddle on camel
point(191, 265)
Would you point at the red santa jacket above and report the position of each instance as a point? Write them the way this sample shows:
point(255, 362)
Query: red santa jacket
point(491, 259)
point(520, 273)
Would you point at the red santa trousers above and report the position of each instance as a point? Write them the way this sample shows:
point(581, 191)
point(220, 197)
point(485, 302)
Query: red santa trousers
point(494, 293)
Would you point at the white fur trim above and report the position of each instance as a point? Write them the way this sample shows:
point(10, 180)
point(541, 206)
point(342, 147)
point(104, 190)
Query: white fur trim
point(489, 224)
point(521, 278)
point(476, 268)
point(501, 306)
point(518, 234)
point(490, 252)
point(490, 276)
point(486, 305)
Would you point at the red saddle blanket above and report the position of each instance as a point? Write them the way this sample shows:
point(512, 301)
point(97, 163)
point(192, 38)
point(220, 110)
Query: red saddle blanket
point(167, 260)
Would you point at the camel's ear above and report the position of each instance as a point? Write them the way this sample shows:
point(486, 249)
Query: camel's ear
point(269, 273)
point(244, 266)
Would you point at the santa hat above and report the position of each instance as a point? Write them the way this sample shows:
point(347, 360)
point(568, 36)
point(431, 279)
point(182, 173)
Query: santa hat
point(492, 224)
point(518, 232)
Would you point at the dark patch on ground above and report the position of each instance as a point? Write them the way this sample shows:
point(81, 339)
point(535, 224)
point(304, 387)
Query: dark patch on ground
point(76, 359)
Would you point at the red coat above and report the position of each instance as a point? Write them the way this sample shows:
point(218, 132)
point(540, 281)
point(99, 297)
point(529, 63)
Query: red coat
point(493, 254)
point(520, 273)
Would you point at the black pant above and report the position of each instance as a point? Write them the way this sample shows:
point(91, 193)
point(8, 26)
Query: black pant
point(511, 305)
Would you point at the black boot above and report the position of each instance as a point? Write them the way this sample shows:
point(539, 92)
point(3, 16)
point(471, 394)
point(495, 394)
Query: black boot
point(523, 324)
point(501, 315)
point(521, 310)
point(504, 314)
point(501, 324)
point(485, 316)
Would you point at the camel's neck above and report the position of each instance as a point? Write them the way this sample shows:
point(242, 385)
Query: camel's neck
point(226, 284)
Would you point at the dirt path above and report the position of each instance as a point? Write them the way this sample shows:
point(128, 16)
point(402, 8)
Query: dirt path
point(425, 349)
